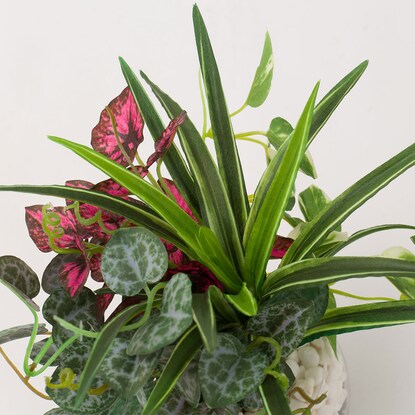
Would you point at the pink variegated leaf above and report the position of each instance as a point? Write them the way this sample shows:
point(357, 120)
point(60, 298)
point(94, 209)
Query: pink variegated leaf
point(67, 225)
point(111, 187)
point(178, 197)
point(74, 274)
point(164, 142)
point(95, 266)
point(175, 255)
point(280, 247)
point(79, 184)
point(129, 127)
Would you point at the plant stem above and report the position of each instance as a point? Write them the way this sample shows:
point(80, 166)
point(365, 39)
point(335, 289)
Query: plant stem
point(359, 297)
point(238, 110)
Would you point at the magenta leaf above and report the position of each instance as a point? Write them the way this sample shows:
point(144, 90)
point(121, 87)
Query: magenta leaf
point(280, 247)
point(62, 222)
point(129, 127)
point(73, 274)
point(102, 303)
point(179, 198)
point(164, 142)
point(95, 266)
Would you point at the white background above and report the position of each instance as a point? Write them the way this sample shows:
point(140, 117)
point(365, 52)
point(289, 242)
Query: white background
point(59, 68)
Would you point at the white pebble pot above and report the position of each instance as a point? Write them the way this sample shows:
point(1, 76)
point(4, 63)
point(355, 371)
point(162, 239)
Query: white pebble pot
point(318, 370)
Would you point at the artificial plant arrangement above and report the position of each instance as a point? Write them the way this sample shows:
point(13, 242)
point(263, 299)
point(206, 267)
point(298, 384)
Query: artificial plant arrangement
point(199, 326)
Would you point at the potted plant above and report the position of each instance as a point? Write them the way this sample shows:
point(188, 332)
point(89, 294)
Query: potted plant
point(204, 318)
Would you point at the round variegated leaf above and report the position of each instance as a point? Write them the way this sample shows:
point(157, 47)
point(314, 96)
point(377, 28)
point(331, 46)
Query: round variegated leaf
point(188, 384)
point(174, 318)
point(19, 332)
point(127, 374)
point(50, 277)
point(20, 275)
point(230, 373)
point(133, 258)
point(79, 310)
point(52, 349)
point(125, 407)
point(285, 322)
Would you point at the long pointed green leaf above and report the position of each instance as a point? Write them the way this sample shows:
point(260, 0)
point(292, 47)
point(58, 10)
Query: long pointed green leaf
point(227, 153)
point(101, 347)
point(263, 76)
point(332, 99)
point(141, 215)
point(363, 317)
point(263, 225)
point(181, 356)
point(186, 228)
point(216, 209)
point(173, 159)
point(205, 319)
point(273, 397)
point(366, 232)
point(328, 270)
point(344, 205)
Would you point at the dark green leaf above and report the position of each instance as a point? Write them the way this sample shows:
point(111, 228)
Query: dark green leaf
point(205, 319)
point(216, 209)
point(225, 145)
point(182, 355)
point(20, 332)
point(273, 396)
point(221, 305)
point(263, 76)
point(17, 273)
point(188, 384)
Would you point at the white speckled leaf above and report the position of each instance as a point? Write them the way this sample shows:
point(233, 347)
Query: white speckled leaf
point(174, 318)
point(20, 275)
point(286, 322)
point(188, 384)
point(127, 374)
point(230, 373)
point(19, 332)
point(133, 258)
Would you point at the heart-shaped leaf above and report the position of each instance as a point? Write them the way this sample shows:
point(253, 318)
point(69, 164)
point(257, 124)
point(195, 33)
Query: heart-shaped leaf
point(19, 332)
point(50, 277)
point(78, 310)
point(230, 373)
point(174, 318)
point(278, 132)
point(189, 386)
point(127, 374)
point(263, 76)
point(133, 258)
point(20, 275)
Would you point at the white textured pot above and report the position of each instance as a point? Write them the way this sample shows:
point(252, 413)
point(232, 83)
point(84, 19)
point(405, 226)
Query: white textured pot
point(319, 371)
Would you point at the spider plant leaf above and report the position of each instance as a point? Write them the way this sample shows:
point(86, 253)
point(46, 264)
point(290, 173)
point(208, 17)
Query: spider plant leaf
point(216, 209)
point(205, 319)
point(102, 346)
point(273, 397)
point(173, 159)
point(366, 232)
point(363, 317)
point(332, 99)
point(264, 220)
point(263, 76)
point(184, 352)
point(227, 153)
point(315, 232)
point(185, 226)
point(328, 270)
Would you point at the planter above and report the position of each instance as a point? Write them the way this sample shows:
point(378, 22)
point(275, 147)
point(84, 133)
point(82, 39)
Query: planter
point(317, 371)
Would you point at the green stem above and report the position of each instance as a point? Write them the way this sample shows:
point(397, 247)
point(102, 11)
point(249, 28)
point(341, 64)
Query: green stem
point(359, 297)
point(253, 140)
point(238, 110)
point(204, 107)
point(43, 350)
point(249, 133)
